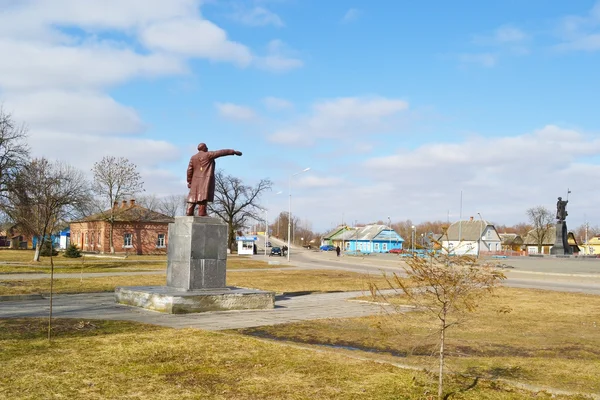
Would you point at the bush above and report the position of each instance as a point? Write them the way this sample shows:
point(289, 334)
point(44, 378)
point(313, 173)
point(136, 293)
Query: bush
point(48, 249)
point(72, 251)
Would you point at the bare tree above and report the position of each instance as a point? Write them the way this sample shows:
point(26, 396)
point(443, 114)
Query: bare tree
point(45, 194)
point(542, 220)
point(445, 287)
point(114, 179)
point(586, 231)
point(14, 151)
point(172, 205)
point(236, 203)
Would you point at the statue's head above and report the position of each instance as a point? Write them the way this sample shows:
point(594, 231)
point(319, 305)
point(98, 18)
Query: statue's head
point(560, 198)
point(202, 147)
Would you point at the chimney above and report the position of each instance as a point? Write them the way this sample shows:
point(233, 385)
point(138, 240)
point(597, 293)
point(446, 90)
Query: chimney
point(124, 204)
point(131, 203)
point(470, 218)
point(115, 205)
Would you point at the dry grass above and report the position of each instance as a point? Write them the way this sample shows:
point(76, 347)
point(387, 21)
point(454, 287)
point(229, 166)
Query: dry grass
point(110, 360)
point(548, 338)
point(277, 281)
point(20, 261)
point(303, 281)
point(77, 285)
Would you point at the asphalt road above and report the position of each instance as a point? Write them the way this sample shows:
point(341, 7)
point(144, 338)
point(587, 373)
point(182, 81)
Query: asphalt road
point(547, 273)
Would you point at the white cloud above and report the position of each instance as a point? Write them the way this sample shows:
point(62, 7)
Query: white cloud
point(341, 118)
point(351, 15)
point(482, 59)
point(60, 58)
point(506, 40)
point(34, 65)
point(504, 35)
point(235, 112)
point(75, 112)
point(257, 16)
point(279, 58)
point(580, 33)
point(197, 38)
point(500, 177)
point(277, 104)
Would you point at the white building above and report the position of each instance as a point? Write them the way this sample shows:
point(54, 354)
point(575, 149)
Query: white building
point(472, 237)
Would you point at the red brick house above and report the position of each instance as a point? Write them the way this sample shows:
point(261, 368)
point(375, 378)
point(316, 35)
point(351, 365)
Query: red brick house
point(137, 230)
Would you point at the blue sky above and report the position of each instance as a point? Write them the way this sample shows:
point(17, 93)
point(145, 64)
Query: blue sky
point(395, 106)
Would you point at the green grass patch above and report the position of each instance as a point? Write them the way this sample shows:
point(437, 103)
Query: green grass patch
point(548, 338)
point(110, 360)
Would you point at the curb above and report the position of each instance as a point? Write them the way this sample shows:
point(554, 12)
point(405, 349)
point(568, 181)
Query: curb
point(19, 297)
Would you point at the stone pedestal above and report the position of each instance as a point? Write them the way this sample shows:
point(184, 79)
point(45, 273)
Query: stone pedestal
point(561, 244)
point(196, 274)
point(197, 253)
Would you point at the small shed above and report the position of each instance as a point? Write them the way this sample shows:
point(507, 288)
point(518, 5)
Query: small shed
point(246, 244)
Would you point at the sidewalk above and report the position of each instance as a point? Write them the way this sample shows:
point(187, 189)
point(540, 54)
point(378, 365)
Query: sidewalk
point(287, 309)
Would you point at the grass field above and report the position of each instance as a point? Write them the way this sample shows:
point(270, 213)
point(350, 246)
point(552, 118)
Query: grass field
point(20, 261)
point(110, 360)
point(277, 281)
point(549, 338)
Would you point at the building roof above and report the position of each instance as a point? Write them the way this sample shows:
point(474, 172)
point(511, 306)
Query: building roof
point(531, 237)
point(129, 212)
point(367, 232)
point(466, 230)
point(334, 232)
point(509, 239)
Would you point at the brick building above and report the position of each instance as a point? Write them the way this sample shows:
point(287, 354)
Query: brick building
point(137, 230)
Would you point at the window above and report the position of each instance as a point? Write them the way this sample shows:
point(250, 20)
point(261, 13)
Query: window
point(98, 238)
point(92, 238)
point(160, 240)
point(127, 240)
point(86, 238)
point(384, 246)
point(376, 246)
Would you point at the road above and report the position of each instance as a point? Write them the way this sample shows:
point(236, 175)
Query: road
point(547, 273)
point(559, 274)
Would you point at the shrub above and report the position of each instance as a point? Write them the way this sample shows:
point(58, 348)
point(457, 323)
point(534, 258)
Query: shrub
point(48, 249)
point(72, 251)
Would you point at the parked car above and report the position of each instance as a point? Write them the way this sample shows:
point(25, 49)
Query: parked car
point(396, 251)
point(327, 247)
point(275, 251)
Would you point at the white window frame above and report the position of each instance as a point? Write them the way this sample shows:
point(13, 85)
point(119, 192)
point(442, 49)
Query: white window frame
point(160, 241)
point(128, 240)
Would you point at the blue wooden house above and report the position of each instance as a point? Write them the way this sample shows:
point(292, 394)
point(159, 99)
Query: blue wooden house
point(368, 239)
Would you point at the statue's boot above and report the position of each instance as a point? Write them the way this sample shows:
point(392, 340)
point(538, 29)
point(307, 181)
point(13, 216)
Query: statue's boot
point(202, 210)
point(189, 211)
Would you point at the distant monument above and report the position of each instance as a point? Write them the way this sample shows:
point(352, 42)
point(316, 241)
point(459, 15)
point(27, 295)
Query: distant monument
point(197, 256)
point(561, 243)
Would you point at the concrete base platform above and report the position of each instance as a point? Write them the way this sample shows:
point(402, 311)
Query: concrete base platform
point(173, 301)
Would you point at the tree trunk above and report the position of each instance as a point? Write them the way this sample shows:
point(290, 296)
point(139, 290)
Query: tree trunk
point(38, 248)
point(231, 238)
point(110, 237)
point(441, 371)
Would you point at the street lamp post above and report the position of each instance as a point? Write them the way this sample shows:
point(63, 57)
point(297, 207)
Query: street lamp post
point(267, 225)
point(480, 233)
point(413, 234)
point(290, 212)
point(390, 238)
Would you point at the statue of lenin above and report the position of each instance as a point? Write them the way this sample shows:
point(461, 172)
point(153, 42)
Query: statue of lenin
point(201, 178)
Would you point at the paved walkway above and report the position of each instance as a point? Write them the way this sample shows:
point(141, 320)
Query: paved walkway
point(103, 306)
